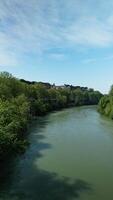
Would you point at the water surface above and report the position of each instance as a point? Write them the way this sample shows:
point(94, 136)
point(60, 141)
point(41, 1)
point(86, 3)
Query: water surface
point(70, 157)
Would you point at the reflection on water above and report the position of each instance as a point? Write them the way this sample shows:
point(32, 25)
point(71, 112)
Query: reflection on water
point(70, 157)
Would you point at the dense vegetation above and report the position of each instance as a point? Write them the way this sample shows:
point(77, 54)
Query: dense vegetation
point(20, 100)
point(106, 104)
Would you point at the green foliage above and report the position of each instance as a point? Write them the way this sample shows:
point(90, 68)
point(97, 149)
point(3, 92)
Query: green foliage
point(106, 104)
point(20, 100)
point(13, 121)
point(111, 91)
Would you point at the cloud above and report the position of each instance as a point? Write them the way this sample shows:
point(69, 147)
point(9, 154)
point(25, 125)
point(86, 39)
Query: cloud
point(57, 56)
point(38, 25)
point(94, 60)
point(8, 59)
point(89, 60)
point(90, 32)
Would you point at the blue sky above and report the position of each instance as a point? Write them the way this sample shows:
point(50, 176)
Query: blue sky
point(58, 41)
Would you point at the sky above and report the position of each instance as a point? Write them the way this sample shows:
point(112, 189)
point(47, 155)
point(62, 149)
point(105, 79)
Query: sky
point(58, 41)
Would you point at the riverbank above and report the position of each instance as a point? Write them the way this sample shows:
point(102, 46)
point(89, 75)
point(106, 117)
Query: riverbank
point(21, 101)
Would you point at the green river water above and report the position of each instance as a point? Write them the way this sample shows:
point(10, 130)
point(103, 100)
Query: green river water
point(70, 157)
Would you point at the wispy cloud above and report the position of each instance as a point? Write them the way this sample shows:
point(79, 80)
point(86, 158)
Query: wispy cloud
point(95, 60)
point(36, 26)
point(89, 60)
point(90, 32)
point(57, 56)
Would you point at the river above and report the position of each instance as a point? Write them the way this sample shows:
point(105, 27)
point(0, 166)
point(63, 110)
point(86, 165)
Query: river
point(70, 157)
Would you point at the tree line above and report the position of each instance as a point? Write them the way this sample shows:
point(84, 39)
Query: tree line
point(106, 104)
point(21, 100)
